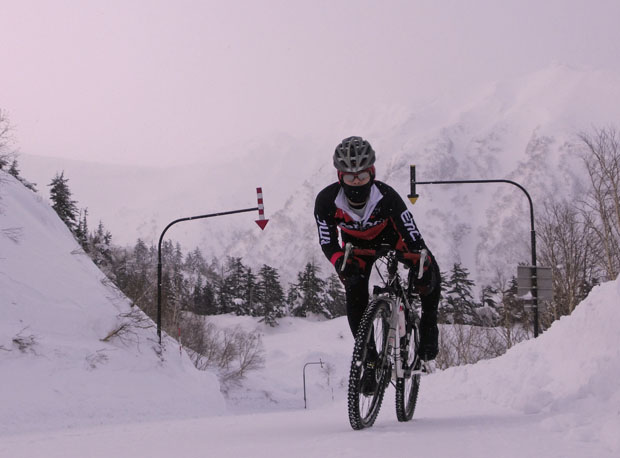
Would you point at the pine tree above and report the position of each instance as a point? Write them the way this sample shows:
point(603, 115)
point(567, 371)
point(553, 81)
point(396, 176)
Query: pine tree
point(65, 207)
point(231, 296)
point(204, 300)
point(195, 264)
point(248, 307)
point(334, 298)
point(136, 277)
point(458, 306)
point(81, 232)
point(6, 140)
point(488, 313)
point(311, 290)
point(294, 298)
point(510, 308)
point(14, 171)
point(270, 295)
point(99, 247)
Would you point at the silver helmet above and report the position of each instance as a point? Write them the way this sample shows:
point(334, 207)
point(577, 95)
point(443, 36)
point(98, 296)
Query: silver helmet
point(353, 154)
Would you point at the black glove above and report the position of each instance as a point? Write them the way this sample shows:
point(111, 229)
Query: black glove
point(425, 285)
point(353, 268)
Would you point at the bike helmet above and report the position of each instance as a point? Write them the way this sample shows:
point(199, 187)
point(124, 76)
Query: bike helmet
point(353, 154)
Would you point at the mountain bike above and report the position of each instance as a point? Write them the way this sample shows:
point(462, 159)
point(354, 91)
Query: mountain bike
point(387, 340)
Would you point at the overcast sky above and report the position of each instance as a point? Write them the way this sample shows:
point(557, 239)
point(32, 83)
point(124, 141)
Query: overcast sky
point(154, 82)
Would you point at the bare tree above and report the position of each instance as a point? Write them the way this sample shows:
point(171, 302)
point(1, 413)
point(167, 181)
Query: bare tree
point(233, 352)
point(461, 344)
point(570, 248)
point(602, 159)
point(6, 152)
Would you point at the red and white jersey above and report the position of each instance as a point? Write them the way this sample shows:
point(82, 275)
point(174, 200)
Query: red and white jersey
point(383, 220)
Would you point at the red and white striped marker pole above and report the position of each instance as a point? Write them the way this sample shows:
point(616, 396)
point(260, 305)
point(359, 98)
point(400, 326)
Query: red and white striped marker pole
point(261, 221)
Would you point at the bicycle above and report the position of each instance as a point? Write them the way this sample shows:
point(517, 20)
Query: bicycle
point(387, 341)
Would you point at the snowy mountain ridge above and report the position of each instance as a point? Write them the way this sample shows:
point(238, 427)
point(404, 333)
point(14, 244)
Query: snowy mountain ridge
point(524, 129)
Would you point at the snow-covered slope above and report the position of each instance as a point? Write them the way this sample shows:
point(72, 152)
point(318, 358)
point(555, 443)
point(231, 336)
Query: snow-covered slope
point(569, 375)
point(57, 310)
point(524, 129)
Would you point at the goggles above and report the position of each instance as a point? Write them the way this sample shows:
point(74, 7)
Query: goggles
point(363, 177)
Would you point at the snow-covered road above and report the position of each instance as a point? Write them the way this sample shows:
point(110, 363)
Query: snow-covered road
point(465, 428)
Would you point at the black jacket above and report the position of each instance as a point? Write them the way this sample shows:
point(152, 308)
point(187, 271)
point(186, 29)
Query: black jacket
point(386, 221)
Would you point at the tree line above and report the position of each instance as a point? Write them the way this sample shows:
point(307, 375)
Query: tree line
point(578, 238)
point(192, 283)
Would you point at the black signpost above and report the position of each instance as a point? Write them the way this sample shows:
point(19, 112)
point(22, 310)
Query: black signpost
point(413, 197)
point(262, 222)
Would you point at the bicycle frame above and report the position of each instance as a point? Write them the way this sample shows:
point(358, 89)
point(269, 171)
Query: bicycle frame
point(394, 295)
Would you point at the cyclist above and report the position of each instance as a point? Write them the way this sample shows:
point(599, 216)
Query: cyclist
point(370, 213)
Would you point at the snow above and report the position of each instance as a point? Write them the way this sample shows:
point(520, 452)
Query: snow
point(67, 393)
point(57, 306)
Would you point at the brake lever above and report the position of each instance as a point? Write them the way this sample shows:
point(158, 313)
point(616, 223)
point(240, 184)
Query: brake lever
point(347, 252)
point(423, 256)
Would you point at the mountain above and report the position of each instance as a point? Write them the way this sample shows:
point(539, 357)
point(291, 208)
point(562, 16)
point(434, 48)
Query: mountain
point(73, 351)
point(523, 129)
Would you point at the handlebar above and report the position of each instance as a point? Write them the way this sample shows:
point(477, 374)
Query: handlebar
point(416, 257)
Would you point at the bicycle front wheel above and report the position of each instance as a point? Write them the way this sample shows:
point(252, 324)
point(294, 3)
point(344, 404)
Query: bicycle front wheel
point(369, 354)
point(408, 386)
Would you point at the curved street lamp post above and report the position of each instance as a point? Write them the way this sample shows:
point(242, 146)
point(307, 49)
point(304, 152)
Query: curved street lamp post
point(413, 197)
point(262, 222)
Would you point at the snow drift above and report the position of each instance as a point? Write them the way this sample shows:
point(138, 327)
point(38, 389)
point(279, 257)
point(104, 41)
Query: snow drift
point(57, 308)
point(569, 374)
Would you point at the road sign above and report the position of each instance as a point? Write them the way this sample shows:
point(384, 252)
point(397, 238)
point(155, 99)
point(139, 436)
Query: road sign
point(525, 282)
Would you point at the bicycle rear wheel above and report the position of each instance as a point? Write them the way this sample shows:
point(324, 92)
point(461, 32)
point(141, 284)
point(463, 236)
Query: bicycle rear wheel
point(408, 386)
point(372, 333)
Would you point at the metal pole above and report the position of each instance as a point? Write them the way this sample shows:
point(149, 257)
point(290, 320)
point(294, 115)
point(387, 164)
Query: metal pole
point(304, 372)
point(532, 230)
point(161, 238)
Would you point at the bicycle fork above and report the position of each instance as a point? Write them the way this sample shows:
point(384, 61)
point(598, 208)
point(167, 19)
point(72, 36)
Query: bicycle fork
point(397, 327)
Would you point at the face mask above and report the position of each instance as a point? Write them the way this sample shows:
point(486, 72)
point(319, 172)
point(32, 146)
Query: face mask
point(357, 194)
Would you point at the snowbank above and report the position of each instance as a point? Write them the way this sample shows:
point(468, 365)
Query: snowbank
point(569, 375)
point(56, 308)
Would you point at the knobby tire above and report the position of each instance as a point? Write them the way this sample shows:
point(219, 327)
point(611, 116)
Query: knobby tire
point(363, 410)
point(407, 387)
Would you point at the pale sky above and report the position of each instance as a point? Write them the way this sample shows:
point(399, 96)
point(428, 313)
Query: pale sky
point(157, 82)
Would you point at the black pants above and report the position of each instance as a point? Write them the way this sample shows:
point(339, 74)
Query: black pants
point(357, 295)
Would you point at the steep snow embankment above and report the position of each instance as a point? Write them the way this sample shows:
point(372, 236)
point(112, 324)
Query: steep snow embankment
point(569, 374)
point(56, 308)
